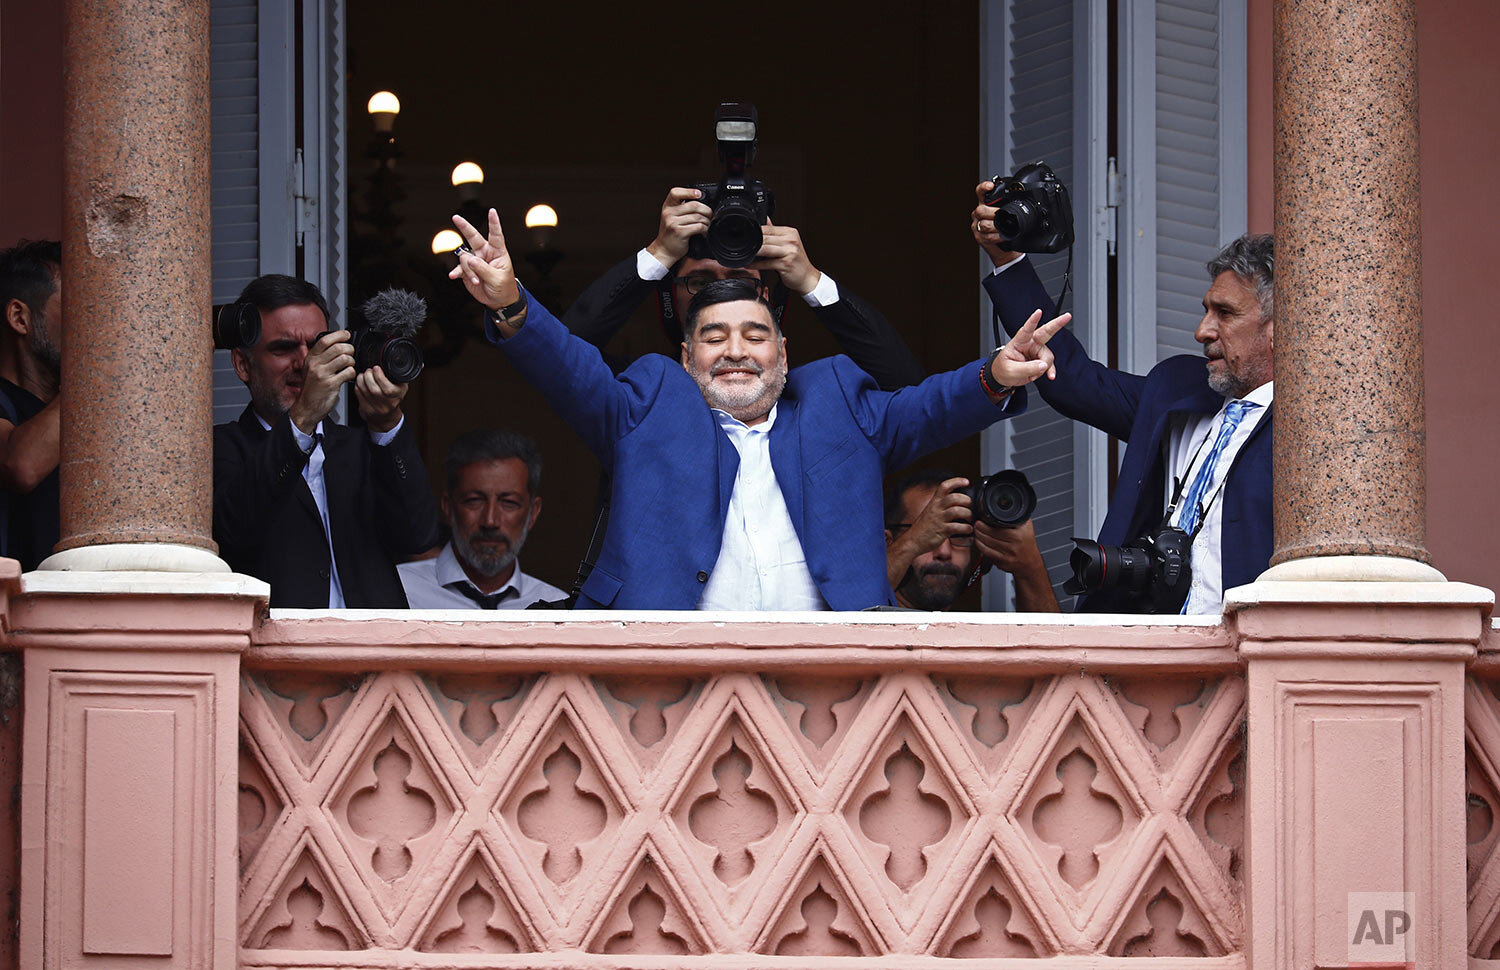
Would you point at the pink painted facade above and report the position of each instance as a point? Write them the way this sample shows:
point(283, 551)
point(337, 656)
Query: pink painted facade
point(209, 786)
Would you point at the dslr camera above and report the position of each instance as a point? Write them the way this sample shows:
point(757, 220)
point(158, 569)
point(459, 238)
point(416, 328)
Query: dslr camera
point(1033, 211)
point(1155, 567)
point(740, 205)
point(1004, 499)
point(387, 334)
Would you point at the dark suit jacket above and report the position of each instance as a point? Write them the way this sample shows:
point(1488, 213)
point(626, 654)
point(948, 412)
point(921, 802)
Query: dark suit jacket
point(673, 468)
point(1142, 412)
point(862, 331)
point(380, 509)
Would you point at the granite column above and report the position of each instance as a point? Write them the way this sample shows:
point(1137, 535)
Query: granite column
point(1350, 448)
point(1355, 650)
point(137, 382)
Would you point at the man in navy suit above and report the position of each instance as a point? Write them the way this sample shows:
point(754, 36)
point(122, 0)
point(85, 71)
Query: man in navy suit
point(1197, 429)
point(736, 483)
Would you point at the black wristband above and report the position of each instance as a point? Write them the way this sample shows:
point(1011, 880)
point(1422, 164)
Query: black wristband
point(988, 379)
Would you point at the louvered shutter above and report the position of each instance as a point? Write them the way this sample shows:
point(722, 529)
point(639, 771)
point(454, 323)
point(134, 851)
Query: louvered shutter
point(1037, 64)
point(234, 79)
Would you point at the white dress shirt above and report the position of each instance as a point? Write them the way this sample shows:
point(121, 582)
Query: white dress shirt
point(438, 584)
point(1192, 443)
point(761, 565)
point(649, 268)
point(312, 474)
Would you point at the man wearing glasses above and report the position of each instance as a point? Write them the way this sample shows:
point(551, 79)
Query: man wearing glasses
point(930, 540)
point(665, 268)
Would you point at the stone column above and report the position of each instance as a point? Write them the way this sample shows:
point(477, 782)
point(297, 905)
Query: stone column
point(137, 478)
point(1350, 449)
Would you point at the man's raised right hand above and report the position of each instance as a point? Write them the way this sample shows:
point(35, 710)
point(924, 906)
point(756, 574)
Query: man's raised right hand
point(487, 272)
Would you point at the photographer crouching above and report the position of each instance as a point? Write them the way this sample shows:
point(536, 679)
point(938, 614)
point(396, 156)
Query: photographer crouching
point(321, 511)
point(936, 546)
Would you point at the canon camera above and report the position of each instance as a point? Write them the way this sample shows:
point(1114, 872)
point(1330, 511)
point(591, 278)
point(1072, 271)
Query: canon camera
point(740, 205)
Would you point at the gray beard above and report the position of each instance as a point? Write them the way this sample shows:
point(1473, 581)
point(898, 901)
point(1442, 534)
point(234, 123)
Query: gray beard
point(743, 404)
point(487, 565)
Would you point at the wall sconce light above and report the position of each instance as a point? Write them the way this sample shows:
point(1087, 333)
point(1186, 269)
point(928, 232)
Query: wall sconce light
point(541, 219)
point(468, 178)
point(383, 108)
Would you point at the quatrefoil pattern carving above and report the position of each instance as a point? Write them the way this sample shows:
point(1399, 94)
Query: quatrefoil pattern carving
point(956, 815)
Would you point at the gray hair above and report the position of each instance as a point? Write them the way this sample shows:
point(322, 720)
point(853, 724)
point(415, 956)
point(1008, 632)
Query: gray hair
point(1252, 257)
point(494, 444)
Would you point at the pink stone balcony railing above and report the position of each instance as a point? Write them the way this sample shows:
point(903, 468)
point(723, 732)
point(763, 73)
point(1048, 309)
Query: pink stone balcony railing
point(205, 785)
point(669, 793)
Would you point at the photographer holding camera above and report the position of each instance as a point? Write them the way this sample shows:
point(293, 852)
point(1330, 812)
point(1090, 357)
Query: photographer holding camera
point(321, 511)
point(931, 536)
point(722, 230)
point(1191, 513)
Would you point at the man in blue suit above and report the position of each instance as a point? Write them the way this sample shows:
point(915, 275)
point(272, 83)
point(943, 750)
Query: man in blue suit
point(737, 483)
point(1197, 429)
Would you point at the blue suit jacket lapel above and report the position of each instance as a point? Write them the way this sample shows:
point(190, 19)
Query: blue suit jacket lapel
point(729, 466)
point(786, 460)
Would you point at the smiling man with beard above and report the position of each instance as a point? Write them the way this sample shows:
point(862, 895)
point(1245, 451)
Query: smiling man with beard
point(491, 504)
point(736, 483)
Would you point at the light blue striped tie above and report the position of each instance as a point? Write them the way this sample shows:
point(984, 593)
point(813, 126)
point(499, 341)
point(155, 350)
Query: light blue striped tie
point(1192, 512)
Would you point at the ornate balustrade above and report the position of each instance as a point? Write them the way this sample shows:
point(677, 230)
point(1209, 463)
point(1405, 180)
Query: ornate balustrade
point(665, 793)
point(206, 786)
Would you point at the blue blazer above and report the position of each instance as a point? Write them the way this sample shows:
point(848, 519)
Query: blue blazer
point(1142, 412)
point(673, 468)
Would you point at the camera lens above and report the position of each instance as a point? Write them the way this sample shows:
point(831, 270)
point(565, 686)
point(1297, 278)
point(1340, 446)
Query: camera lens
point(1017, 218)
point(1096, 566)
point(236, 325)
point(734, 235)
point(1005, 499)
point(401, 359)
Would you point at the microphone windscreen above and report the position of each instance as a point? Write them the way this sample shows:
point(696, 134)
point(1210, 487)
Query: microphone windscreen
point(401, 312)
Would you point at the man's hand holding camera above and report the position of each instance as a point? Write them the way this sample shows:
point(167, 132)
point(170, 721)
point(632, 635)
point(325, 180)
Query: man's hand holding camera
point(330, 364)
point(783, 251)
point(379, 399)
point(682, 218)
point(947, 514)
point(982, 225)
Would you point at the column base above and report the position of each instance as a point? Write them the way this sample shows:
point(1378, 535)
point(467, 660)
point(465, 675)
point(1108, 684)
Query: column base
point(155, 557)
point(1352, 569)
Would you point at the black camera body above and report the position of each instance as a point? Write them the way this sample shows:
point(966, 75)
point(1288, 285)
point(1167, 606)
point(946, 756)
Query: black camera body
point(399, 356)
point(1156, 567)
point(740, 205)
point(1034, 213)
point(1004, 499)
